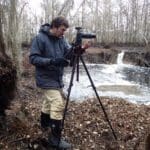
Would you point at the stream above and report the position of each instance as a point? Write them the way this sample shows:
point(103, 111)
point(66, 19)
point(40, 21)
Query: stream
point(118, 80)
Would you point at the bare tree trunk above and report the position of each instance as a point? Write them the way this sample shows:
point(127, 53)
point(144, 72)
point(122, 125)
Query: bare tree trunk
point(53, 7)
point(2, 43)
point(83, 14)
point(66, 7)
point(7, 72)
point(13, 33)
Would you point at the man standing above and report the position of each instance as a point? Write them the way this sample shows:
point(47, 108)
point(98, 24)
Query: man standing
point(49, 54)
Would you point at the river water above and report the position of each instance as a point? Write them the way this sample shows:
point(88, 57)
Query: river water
point(118, 80)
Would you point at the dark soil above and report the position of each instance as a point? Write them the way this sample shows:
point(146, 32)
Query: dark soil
point(8, 79)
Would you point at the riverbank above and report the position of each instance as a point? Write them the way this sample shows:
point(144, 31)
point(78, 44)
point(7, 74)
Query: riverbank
point(138, 56)
point(85, 126)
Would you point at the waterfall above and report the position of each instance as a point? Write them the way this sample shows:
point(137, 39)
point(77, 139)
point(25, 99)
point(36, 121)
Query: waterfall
point(120, 58)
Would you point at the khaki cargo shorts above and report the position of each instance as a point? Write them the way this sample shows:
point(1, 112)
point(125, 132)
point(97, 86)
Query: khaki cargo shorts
point(53, 103)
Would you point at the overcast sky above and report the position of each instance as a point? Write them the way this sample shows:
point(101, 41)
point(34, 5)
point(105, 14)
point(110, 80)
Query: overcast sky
point(35, 5)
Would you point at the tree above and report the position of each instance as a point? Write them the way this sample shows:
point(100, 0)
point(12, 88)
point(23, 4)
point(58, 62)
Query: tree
point(66, 7)
point(7, 70)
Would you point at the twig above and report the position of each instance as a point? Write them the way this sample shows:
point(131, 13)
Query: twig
point(18, 140)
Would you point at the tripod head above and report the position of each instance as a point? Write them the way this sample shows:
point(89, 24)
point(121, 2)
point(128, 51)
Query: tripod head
point(80, 35)
point(77, 45)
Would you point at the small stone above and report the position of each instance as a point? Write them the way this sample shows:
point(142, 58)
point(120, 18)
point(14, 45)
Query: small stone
point(28, 136)
point(95, 132)
point(35, 146)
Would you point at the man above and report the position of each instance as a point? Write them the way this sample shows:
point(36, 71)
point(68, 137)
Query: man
point(49, 54)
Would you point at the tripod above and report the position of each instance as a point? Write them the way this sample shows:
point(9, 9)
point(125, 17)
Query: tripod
point(78, 57)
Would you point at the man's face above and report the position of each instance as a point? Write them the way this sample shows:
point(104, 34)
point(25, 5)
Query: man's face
point(59, 32)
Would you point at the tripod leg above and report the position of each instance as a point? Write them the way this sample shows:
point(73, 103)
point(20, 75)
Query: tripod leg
point(77, 68)
point(69, 89)
point(68, 96)
point(94, 88)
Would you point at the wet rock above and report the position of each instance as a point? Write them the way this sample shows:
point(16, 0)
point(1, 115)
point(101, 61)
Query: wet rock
point(137, 58)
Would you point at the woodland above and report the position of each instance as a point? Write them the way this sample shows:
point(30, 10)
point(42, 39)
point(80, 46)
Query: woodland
point(116, 23)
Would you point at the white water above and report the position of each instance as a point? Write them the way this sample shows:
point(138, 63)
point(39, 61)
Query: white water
point(110, 80)
point(120, 58)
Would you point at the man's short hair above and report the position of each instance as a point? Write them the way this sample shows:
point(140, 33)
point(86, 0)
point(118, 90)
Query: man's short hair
point(58, 21)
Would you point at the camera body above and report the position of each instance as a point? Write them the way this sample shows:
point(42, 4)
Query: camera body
point(82, 35)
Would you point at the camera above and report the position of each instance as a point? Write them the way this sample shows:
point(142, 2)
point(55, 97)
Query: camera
point(80, 35)
point(77, 45)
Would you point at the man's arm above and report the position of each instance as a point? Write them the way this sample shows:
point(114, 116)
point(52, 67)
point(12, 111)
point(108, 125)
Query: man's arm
point(68, 50)
point(35, 54)
point(37, 59)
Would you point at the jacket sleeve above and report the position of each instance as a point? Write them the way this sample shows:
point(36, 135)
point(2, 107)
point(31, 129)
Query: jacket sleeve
point(68, 50)
point(36, 53)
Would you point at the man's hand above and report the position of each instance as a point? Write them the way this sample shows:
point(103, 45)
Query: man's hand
point(86, 45)
point(81, 49)
point(59, 62)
